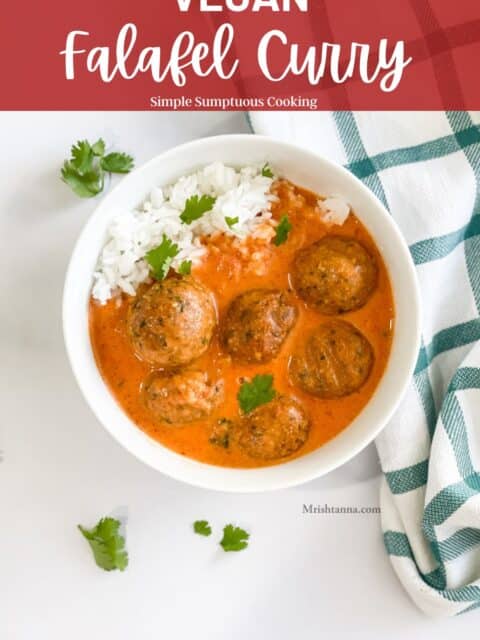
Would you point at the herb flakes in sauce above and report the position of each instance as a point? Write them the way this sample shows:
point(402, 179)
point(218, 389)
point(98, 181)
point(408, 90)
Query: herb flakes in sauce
point(283, 229)
point(220, 435)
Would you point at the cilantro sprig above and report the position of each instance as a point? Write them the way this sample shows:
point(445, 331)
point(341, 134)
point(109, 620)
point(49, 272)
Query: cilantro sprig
point(202, 528)
point(234, 538)
point(231, 221)
point(283, 229)
point(107, 545)
point(195, 207)
point(117, 163)
point(85, 171)
point(161, 258)
point(266, 171)
point(255, 393)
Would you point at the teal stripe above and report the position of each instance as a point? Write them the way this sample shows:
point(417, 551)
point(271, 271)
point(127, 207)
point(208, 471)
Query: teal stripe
point(454, 420)
point(425, 392)
point(436, 579)
point(459, 543)
point(458, 121)
point(397, 544)
point(425, 151)
point(436, 248)
point(465, 378)
point(356, 153)
point(472, 258)
point(470, 608)
point(454, 424)
point(457, 336)
point(447, 501)
point(443, 506)
point(468, 593)
point(408, 478)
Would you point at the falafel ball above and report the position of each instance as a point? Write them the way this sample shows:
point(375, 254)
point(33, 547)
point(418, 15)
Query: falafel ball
point(182, 397)
point(256, 325)
point(335, 360)
point(273, 430)
point(172, 322)
point(334, 275)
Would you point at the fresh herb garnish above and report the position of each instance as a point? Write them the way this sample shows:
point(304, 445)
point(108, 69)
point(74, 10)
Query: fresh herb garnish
point(266, 171)
point(202, 528)
point(107, 544)
point(255, 393)
point(185, 268)
point(86, 184)
point(117, 163)
point(161, 258)
point(85, 171)
point(231, 221)
point(234, 538)
point(283, 229)
point(98, 147)
point(195, 207)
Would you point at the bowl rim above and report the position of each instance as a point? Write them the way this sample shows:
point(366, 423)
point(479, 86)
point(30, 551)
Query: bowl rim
point(233, 479)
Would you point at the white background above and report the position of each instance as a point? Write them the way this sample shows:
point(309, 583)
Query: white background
point(303, 576)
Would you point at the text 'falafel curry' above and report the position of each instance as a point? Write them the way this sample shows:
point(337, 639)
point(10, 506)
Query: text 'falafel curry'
point(241, 320)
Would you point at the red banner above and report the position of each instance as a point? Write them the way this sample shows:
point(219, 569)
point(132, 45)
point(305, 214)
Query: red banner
point(240, 54)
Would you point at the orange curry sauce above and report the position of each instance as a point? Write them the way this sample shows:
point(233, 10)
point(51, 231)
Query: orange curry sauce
point(228, 269)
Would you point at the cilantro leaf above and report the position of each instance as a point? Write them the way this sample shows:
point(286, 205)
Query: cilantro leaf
point(84, 171)
point(234, 538)
point(98, 147)
point(195, 207)
point(255, 393)
point(283, 229)
point(266, 171)
point(85, 185)
point(107, 545)
point(202, 528)
point(117, 163)
point(161, 258)
point(185, 268)
point(231, 221)
point(82, 156)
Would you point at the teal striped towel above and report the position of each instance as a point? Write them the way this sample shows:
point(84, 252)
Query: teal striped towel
point(425, 168)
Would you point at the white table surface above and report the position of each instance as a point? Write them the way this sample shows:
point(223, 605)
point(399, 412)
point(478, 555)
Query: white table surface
point(303, 576)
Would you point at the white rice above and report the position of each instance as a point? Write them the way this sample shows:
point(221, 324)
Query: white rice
point(243, 194)
point(334, 210)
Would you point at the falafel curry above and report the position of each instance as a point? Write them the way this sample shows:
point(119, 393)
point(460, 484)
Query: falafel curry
point(239, 319)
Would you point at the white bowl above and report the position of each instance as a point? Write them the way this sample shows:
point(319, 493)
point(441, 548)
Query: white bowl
point(308, 170)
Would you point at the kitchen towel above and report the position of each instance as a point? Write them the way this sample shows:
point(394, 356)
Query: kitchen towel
point(425, 168)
